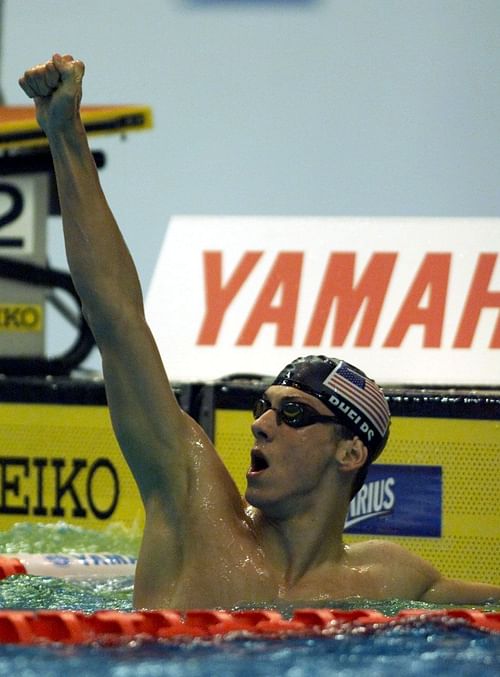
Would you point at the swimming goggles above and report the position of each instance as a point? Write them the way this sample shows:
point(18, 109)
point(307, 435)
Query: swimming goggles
point(293, 414)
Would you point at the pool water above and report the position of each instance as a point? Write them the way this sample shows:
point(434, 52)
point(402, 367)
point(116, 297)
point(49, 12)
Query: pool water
point(440, 648)
point(423, 650)
point(31, 592)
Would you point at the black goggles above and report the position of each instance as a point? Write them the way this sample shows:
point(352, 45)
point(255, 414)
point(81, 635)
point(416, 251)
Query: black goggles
point(294, 414)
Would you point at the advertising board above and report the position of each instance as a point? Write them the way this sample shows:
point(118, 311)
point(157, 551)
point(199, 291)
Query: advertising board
point(408, 300)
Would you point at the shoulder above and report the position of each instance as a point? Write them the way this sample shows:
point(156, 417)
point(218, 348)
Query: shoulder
point(400, 571)
point(377, 551)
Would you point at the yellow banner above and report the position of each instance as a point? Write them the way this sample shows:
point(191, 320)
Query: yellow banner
point(62, 463)
point(21, 317)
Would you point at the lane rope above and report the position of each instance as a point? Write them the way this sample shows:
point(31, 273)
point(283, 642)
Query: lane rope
point(74, 565)
point(108, 627)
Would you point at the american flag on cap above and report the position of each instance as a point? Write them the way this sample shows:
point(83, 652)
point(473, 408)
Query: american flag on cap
point(362, 392)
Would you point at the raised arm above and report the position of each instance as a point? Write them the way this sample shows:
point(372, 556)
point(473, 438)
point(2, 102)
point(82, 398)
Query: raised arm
point(100, 264)
point(157, 438)
point(186, 490)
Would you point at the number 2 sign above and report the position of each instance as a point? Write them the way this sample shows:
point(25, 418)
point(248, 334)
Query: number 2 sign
point(18, 196)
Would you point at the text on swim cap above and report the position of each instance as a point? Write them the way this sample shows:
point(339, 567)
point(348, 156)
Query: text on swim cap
point(354, 415)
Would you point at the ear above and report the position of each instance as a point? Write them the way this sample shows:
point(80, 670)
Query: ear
point(351, 454)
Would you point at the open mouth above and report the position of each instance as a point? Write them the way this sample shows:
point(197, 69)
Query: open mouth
point(258, 462)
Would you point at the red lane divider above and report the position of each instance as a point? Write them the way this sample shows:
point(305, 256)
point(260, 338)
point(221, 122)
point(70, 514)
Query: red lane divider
point(487, 621)
point(69, 627)
point(11, 566)
point(111, 627)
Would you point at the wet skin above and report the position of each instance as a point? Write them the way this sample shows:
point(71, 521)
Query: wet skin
point(285, 541)
point(203, 545)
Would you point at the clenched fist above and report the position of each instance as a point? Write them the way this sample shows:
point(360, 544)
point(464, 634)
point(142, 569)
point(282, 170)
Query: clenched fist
point(56, 87)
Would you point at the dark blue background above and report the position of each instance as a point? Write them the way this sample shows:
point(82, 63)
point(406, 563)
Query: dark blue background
point(418, 502)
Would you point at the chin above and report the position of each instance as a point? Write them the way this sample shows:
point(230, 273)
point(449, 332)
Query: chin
point(251, 498)
point(271, 508)
point(256, 498)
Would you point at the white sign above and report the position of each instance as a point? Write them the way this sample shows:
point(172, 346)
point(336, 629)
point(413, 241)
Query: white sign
point(18, 195)
point(408, 300)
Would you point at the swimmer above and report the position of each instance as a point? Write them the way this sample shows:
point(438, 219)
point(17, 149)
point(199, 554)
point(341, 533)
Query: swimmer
point(316, 428)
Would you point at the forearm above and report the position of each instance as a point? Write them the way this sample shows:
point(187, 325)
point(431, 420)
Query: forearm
point(450, 591)
point(152, 430)
point(100, 264)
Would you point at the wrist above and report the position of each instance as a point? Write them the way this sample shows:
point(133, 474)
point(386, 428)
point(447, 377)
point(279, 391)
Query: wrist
point(69, 128)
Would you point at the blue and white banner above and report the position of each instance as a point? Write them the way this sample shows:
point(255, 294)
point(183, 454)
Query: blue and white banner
point(398, 500)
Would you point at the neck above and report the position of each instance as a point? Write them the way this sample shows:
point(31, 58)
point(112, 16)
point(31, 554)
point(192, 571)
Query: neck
point(300, 542)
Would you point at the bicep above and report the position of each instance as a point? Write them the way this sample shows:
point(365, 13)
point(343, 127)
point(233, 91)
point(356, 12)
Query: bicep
point(149, 424)
point(169, 454)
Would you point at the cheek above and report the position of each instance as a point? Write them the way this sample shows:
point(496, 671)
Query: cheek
point(301, 447)
point(322, 440)
point(311, 454)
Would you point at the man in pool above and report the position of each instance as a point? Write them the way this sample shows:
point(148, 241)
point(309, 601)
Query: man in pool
point(315, 430)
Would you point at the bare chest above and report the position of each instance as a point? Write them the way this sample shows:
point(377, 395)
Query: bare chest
point(229, 582)
point(230, 568)
point(333, 581)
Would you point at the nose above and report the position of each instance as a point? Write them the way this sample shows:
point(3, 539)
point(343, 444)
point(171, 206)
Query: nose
point(264, 426)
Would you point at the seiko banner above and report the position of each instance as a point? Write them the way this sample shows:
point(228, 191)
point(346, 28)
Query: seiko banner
point(409, 300)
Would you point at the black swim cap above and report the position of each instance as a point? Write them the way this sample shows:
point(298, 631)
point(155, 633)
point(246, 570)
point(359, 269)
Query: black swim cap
point(356, 400)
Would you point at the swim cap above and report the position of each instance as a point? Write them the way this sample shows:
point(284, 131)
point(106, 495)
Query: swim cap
point(356, 400)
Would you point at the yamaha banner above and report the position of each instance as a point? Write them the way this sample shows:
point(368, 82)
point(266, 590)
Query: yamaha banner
point(408, 300)
point(402, 500)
